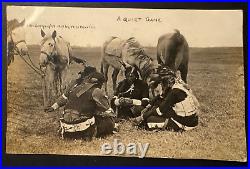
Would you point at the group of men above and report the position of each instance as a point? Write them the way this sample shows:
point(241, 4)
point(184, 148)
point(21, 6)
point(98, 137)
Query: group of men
point(89, 113)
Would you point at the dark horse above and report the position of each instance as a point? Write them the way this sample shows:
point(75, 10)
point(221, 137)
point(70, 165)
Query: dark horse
point(173, 52)
point(16, 44)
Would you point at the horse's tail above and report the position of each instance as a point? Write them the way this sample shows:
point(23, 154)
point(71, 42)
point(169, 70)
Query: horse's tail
point(177, 31)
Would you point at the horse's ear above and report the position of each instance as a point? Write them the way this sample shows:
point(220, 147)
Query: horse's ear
point(22, 23)
point(54, 35)
point(42, 33)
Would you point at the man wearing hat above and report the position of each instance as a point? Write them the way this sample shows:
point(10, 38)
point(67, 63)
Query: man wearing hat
point(131, 94)
point(87, 112)
point(175, 108)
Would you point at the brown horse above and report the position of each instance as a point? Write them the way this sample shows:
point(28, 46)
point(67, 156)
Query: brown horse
point(120, 54)
point(173, 52)
point(16, 44)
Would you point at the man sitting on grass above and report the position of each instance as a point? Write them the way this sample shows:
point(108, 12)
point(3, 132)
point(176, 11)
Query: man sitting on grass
point(175, 108)
point(131, 95)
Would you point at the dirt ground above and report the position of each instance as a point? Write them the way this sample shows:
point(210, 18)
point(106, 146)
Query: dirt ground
point(216, 76)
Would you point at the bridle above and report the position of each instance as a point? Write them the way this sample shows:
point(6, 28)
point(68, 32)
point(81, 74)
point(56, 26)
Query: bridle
point(15, 44)
point(50, 56)
point(16, 51)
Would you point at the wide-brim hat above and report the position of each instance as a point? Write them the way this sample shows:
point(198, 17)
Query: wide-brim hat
point(96, 77)
point(87, 71)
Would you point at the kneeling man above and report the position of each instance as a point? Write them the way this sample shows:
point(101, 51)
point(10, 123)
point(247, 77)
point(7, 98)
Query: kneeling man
point(87, 112)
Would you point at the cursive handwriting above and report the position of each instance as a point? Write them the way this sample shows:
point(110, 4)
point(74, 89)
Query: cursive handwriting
point(61, 26)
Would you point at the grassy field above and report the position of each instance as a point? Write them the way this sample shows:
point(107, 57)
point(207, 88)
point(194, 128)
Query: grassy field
point(215, 74)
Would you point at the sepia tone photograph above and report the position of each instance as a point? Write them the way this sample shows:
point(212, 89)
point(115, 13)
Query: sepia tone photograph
point(125, 82)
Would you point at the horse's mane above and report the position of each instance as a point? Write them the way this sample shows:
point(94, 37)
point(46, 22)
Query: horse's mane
point(135, 48)
point(11, 25)
point(138, 51)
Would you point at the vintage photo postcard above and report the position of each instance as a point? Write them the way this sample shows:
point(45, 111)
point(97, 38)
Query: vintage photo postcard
point(125, 82)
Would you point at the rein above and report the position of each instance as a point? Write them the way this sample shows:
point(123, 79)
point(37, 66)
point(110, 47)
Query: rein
point(50, 57)
point(31, 64)
point(16, 43)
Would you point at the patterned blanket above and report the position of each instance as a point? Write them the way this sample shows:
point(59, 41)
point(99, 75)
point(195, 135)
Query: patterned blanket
point(118, 46)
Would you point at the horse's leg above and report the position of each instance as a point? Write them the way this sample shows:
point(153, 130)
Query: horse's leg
point(105, 68)
point(114, 78)
point(184, 70)
point(45, 91)
point(57, 86)
point(50, 83)
point(63, 79)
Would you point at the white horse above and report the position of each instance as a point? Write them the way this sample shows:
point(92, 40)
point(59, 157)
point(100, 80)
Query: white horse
point(54, 62)
point(16, 44)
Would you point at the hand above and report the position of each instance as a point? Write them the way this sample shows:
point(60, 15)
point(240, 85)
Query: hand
point(137, 121)
point(49, 109)
point(125, 101)
point(144, 102)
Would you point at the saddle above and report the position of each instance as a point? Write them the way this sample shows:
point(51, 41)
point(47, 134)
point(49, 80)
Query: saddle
point(117, 46)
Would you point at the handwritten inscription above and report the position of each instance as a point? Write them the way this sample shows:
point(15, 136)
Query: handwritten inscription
point(61, 26)
point(138, 19)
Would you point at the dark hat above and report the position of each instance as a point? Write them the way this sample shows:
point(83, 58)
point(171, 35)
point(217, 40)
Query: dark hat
point(96, 77)
point(167, 76)
point(163, 75)
point(87, 71)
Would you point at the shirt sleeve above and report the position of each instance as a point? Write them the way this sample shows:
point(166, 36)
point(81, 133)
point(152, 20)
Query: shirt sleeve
point(69, 87)
point(63, 99)
point(173, 97)
point(101, 100)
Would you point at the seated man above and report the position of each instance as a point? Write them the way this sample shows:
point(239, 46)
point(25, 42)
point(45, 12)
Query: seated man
point(176, 108)
point(87, 112)
point(131, 95)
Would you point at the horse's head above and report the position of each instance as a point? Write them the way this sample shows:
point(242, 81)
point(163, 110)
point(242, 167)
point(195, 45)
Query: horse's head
point(48, 48)
point(17, 37)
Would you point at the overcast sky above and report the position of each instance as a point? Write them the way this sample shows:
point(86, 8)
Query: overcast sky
point(202, 28)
